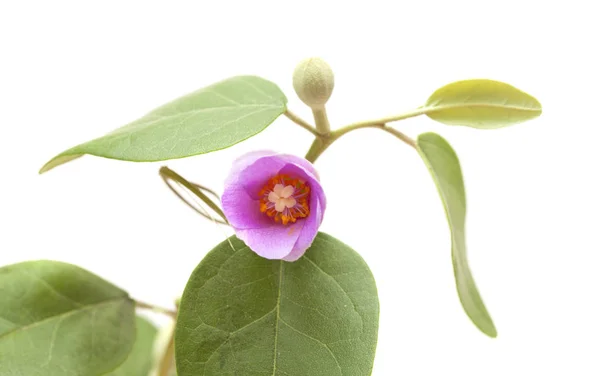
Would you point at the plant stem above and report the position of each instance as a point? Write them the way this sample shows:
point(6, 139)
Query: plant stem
point(319, 145)
point(301, 122)
point(321, 121)
point(324, 137)
point(167, 174)
point(378, 122)
point(154, 308)
point(340, 132)
point(400, 135)
point(166, 362)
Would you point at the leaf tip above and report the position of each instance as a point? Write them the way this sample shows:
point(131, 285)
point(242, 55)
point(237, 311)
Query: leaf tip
point(490, 331)
point(57, 161)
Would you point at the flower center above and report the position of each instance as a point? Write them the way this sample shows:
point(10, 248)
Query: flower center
point(285, 199)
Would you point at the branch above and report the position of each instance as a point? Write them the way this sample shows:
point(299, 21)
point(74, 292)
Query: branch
point(301, 122)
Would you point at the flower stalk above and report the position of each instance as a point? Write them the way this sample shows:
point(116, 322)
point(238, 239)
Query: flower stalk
point(169, 175)
point(313, 82)
point(154, 308)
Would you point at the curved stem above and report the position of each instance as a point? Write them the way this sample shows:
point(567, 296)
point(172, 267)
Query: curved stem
point(378, 122)
point(301, 122)
point(154, 308)
point(400, 135)
point(340, 132)
point(167, 174)
point(325, 138)
point(213, 193)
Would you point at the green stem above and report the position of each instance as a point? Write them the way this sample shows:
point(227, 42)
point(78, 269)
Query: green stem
point(167, 174)
point(384, 127)
point(324, 137)
point(166, 362)
point(400, 135)
point(301, 122)
point(378, 122)
point(319, 145)
point(154, 308)
point(321, 121)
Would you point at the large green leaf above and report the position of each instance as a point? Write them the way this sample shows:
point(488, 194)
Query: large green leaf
point(481, 104)
point(241, 314)
point(209, 119)
point(140, 360)
point(58, 319)
point(444, 166)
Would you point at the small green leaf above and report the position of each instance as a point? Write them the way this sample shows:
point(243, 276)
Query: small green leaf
point(213, 118)
point(444, 166)
point(58, 319)
point(241, 314)
point(481, 103)
point(140, 360)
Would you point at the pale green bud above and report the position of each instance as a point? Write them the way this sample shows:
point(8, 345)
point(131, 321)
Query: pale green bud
point(313, 82)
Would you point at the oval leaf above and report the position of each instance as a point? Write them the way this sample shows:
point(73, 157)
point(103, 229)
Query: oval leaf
point(481, 103)
point(58, 319)
point(209, 119)
point(140, 360)
point(444, 166)
point(241, 314)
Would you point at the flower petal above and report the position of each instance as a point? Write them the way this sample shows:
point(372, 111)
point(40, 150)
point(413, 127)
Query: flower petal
point(308, 233)
point(314, 219)
point(302, 162)
point(241, 163)
point(241, 210)
point(273, 242)
point(255, 176)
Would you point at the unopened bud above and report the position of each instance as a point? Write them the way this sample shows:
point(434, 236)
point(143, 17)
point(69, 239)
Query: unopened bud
point(313, 82)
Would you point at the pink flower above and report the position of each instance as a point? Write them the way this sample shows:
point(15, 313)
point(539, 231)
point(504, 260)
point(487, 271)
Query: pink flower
point(275, 203)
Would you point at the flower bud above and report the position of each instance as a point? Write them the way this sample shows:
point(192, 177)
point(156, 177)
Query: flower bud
point(313, 82)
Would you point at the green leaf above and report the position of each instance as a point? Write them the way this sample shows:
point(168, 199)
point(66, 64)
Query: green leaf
point(443, 164)
point(241, 314)
point(58, 319)
point(213, 118)
point(140, 360)
point(481, 103)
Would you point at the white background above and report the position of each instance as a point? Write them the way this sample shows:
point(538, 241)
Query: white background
point(72, 71)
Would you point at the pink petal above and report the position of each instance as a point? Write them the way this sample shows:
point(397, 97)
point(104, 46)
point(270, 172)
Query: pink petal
point(241, 163)
point(314, 219)
point(241, 210)
point(308, 233)
point(263, 168)
point(255, 176)
point(273, 242)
